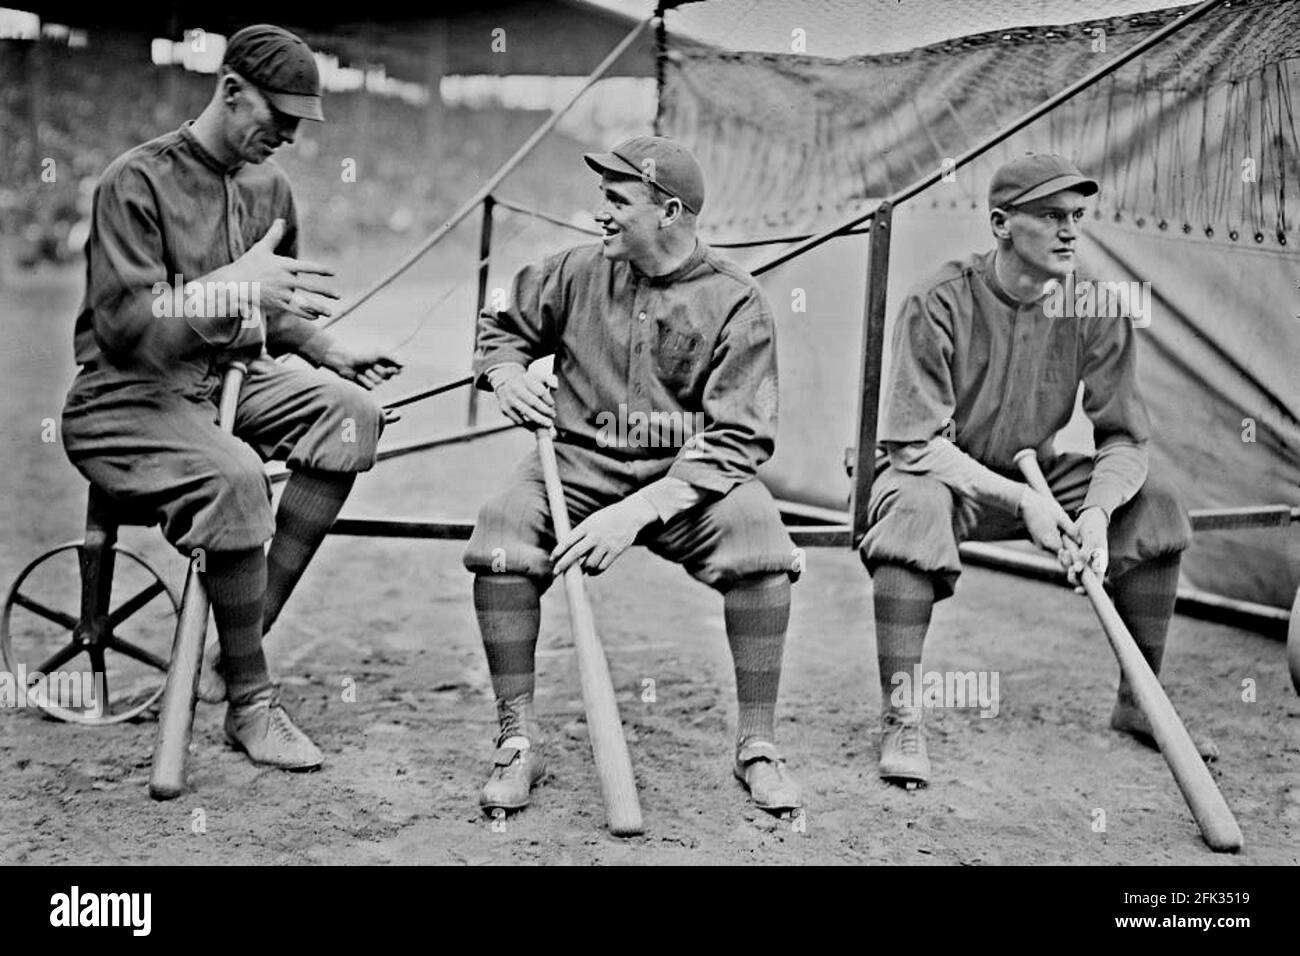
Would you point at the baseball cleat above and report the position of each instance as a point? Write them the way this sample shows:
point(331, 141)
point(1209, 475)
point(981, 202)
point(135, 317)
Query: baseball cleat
point(212, 685)
point(760, 767)
point(262, 728)
point(903, 756)
point(1128, 718)
point(516, 768)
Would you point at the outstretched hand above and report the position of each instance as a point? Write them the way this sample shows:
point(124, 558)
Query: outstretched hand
point(285, 283)
point(367, 366)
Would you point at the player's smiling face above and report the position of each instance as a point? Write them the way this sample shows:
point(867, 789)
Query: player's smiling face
point(1045, 232)
point(256, 129)
point(629, 217)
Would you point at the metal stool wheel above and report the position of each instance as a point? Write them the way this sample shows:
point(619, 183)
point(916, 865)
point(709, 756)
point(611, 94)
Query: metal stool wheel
point(127, 613)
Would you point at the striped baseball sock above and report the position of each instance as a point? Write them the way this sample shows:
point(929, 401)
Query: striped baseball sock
point(904, 599)
point(1145, 599)
point(310, 503)
point(236, 586)
point(509, 609)
point(757, 612)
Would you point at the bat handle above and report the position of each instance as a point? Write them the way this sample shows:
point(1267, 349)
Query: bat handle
point(231, 383)
point(554, 489)
point(1027, 461)
point(176, 710)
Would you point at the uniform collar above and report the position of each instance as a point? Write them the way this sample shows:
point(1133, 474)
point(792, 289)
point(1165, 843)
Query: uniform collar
point(989, 273)
point(694, 259)
point(204, 156)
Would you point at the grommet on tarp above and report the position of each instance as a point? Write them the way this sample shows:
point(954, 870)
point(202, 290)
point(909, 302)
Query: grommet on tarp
point(1141, 221)
point(1259, 237)
point(1232, 234)
point(1281, 238)
point(1163, 225)
point(1209, 232)
point(1187, 228)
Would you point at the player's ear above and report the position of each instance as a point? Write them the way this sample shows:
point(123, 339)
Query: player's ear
point(670, 212)
point(998, 222)
point(231, 86)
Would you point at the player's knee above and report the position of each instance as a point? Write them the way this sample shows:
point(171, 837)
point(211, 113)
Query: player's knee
point(922, 504)
point(1161, 515)
point(242, 486)
point(354, 406)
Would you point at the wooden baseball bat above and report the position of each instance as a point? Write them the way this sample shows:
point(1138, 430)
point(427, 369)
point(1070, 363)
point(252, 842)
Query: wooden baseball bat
point(1218, 826)
point(608, 746)
point(176, 716)
point(1293, 643)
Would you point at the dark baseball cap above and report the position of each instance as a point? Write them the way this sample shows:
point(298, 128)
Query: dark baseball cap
point(1034, 176)
point(655, 159)
point(279, 64)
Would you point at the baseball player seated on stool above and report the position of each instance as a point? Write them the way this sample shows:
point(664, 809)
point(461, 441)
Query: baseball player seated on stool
point(980, 371)
point(187, 214)
point(650, 329)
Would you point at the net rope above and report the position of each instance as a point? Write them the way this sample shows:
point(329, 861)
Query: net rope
point(1195, 134)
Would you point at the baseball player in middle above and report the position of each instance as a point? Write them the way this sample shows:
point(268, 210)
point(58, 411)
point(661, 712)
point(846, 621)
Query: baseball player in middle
point(665, 404)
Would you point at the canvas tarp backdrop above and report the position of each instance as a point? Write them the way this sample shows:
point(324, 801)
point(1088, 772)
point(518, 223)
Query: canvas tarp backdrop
point(1195, 144)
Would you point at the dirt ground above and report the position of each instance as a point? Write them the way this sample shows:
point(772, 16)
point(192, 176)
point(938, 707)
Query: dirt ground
point(380, 659)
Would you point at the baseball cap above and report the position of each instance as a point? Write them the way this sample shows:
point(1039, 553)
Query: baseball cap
point(279, 64)
point(655, 159)
point(1034, 176)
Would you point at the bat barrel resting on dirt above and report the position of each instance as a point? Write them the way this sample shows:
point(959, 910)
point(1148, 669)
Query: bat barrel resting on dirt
point(608, 746)
point(176, 716)
point(1218, 826)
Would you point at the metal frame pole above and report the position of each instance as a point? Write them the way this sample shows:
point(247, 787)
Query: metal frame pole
point(495, 179)
point(873, 350)
point(484, 266)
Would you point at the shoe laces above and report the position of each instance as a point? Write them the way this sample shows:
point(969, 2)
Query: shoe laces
point(906, 724)
point(279, 722)
point(282, 725)
point(512, 717)
point(909, 739)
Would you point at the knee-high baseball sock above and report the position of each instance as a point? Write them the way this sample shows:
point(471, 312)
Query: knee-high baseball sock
point(236, 586)
point(509, 609)
point(757, 612)
point(310, 503)
point(1144, 598)
point(903, 600)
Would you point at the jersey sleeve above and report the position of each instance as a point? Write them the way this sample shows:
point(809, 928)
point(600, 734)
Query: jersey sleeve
point(918, 396)
point(127, 271)
point(528, 328)
point(1112, 402)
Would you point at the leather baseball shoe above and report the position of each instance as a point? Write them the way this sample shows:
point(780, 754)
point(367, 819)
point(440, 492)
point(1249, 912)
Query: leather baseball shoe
point(760, 767)
point(903, 757)
point(1128, 718)
point(262, 728)
point(516, 767)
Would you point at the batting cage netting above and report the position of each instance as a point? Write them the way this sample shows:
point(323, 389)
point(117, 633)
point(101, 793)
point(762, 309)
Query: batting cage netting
point(1194, 142)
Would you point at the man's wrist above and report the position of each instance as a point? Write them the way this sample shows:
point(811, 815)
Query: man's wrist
point(1105, 515)
point(642, 507)
point(503, 372)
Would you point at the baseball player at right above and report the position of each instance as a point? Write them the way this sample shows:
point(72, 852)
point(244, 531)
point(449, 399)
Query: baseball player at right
point(981, 369)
